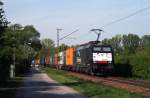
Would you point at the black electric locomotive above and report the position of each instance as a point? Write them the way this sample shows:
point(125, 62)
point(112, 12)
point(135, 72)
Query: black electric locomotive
point(93, 58)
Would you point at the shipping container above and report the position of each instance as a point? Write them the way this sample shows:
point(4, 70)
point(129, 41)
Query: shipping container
point(64, 57)
point(60, 55)
point(56, 59)
point(42, 61)
point(52, 56)
point(47, 60)
point(69, 56)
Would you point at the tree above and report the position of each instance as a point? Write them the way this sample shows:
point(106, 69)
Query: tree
point(48, 47)
point(130, 42)
point(1, 3)
point(106, 41)
point(62, 47)
point(115, 42)
point(4, 51)
point(3, 22)
point(145, 41)
point(47, 43)
point(18, 37)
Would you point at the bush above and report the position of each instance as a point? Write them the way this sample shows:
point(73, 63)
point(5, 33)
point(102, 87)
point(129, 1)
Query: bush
point(122, 66)
point(138, 64)
point(141, 65)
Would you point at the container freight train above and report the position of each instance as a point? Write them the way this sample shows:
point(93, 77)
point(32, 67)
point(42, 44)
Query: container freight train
point(88, 58)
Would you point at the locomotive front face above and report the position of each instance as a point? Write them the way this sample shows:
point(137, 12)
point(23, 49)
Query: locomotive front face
point(102, 55)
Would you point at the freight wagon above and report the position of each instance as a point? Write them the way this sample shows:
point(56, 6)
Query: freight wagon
point(90, 58)
point(42, 61)
point(68, 59)
point(47, 60)
point(61, 59)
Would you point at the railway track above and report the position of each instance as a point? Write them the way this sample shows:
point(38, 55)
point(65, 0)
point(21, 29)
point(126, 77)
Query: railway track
point(140, 83)
point(133, 86)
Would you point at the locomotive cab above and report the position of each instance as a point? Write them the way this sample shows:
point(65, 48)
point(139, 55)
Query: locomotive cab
point(94, 59)
point(102, 59)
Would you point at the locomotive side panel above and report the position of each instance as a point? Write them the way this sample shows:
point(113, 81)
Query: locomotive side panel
point(83, 55)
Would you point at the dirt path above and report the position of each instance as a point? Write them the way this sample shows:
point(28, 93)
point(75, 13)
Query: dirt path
point(39, 85)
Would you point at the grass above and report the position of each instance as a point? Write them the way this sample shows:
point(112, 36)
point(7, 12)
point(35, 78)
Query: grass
point(89, 89)
point(10, 93)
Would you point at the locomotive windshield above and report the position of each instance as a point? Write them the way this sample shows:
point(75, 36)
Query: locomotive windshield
point(97, 48)
point(102, 54)
point(105, 49)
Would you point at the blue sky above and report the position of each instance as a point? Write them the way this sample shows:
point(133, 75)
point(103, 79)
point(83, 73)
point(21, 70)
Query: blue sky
point(47, 15)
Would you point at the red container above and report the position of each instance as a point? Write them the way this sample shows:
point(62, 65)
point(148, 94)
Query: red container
point(56, 59)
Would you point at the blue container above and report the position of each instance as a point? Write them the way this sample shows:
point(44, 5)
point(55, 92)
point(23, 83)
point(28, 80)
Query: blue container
point(42, 61)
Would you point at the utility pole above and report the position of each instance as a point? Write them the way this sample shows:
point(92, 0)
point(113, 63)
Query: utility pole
point(12, 67)
point(14, 59)
point(58, 36)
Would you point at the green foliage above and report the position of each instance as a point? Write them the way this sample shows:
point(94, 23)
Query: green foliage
point(139, 62)
point(4, 50)
point(115, 42)
point(18, 37)
point(132, 54)
point(62, 47)
point(29, 30)
point(48, 48)
point(3, 20)
point(145, 41)
point(47, 43)
point(130, 42)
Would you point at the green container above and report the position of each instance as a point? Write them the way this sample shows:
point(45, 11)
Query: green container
point(52, 55)
point(64, 56)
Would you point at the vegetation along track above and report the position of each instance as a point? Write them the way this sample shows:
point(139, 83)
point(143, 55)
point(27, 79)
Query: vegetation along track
point(134, 86)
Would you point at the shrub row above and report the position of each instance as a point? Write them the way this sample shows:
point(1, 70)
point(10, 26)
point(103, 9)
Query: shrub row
point(137, 64)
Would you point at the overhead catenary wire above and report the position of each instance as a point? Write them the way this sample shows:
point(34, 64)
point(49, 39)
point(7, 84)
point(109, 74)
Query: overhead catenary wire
point(113, 22)
point(121, 19)
point(126, 17)
point(68, 34)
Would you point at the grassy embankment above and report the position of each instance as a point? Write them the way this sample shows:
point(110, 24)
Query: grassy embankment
point(91, 90)
point(11, 86)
